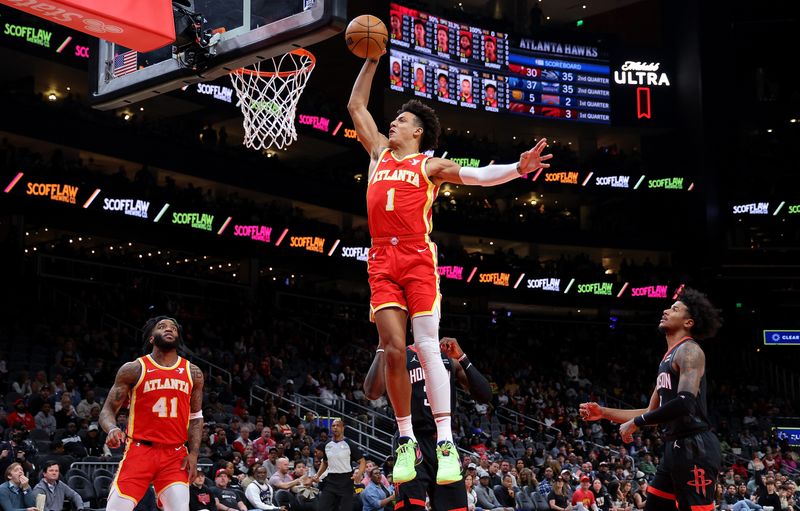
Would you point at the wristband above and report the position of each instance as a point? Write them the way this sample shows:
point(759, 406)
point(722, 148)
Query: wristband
point(112, 429)
point(640, 421)
point(379, 350)
point(464, 361)
point(518, 172)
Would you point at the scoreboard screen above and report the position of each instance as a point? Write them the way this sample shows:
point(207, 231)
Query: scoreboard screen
point(475, 68)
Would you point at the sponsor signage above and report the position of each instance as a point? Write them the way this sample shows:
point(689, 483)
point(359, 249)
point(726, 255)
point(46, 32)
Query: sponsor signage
point(794, 209)
point(130, 207)
point(613, 181)
point(545, 284)
point(254, 232)
point(786, 337)
point(641, 73)
point(656, 291)
point(753, 208)
point(219, 92)
point(310, 243)
point(53, 191)
point(567, 178)
point(29, 34)
point(669, 183)
point(498, 279)
point(316, 122)
point(467, 162)
point(452, 272)
point(357, 253)
point(596, 288)
point(202, 221)
point(791, 435)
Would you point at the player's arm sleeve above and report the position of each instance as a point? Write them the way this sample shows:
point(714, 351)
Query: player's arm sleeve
point(477, 384)
point(490, 175)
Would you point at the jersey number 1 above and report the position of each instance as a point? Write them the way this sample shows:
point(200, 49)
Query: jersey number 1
point(390, 199)
point(160, 407)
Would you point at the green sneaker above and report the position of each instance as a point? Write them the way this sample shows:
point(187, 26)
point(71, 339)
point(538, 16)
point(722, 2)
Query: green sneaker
point(449, 470)
point(408, 456)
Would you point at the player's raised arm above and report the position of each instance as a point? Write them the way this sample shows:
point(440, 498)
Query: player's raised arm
point(447, 171)
point(467, 374)
point(127, 376)
point(368, 134)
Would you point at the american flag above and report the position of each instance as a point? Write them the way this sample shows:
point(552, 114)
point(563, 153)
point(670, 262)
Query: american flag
point(125, 63)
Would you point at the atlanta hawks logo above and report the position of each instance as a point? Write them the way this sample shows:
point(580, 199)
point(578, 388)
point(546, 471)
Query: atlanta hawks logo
point(699, 482)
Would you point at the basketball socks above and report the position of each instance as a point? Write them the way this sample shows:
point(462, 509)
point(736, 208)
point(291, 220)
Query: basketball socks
point(444, 431)
point(405, 427)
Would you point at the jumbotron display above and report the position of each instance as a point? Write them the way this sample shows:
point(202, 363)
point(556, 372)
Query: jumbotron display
point(478, 69)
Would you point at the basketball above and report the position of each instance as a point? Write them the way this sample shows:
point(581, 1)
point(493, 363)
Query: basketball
point(366, 37)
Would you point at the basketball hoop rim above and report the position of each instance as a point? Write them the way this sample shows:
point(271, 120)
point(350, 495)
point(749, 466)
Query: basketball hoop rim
point(301, 52)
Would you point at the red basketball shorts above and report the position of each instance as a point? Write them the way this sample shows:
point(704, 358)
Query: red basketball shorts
point(403, 273)
point(144, 465)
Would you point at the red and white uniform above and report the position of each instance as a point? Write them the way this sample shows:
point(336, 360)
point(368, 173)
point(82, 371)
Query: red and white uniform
point(402, 263)
point(158, 429)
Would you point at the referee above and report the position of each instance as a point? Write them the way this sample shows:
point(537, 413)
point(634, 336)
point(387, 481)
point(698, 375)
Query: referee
point(337, 469)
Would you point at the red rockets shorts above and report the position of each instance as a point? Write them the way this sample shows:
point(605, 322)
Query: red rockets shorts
point(403, 273)
point(144, 465)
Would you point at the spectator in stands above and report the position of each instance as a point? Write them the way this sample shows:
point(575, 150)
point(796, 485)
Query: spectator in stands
point(623, 501)
point(73, 444)
point(219, 444)
point(17, 450)
point(243, 442)
point(22, 384)
point(601, 498)
point(271, 463)
point(227, 499)
point(45, 420)
point(729, 498)
point(39, 398)
point(201, 498)
point(282, 428)
point(93, 442)
point(558, 498)
point(262, 444)
point(505, 469)
point(583, 497)
point(282, 479)
point(486, 498)
point(770, 497)
point(16, 493)
point(378, 495)
point(84, 408)
point(506, 493)
point(291, 417)
point(495, 478)
point(368, 475)
point(640, 495)
point(646, 465)
point(546, 486)
point(305, 457)
point(566, 476)
point(56, 491)
point(260, 493)
point(65, 411)
point(21, 416)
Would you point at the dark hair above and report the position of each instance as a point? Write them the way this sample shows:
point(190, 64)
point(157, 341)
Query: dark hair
point(706, 317)
point(150, 325)
point(48, 464)
point(427, 120)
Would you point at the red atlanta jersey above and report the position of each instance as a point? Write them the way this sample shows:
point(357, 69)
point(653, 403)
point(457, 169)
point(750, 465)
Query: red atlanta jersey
point(161, 402)
point(400, 196)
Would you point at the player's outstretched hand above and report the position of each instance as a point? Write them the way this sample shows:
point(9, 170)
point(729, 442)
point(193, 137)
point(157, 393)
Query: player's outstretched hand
point(627, 430)
point(450, 347)
point(189, 464)
point(379, 57)
point(531, 161)
point(591, 411)
point(115, 438)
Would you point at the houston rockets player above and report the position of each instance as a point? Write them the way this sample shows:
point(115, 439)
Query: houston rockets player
point(403, 276)
point(688, 471)
point(166, 398)
point(411, 495)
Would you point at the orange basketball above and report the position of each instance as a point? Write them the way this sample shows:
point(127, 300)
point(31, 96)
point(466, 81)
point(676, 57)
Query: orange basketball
point(366, 37)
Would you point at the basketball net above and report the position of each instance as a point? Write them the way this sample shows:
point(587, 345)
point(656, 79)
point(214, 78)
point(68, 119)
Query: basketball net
point(268, 95)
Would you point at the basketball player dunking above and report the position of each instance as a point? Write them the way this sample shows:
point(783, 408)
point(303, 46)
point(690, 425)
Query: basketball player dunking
point(166, 398)
point(688, 471)
point(411, 495)
point(402, 263)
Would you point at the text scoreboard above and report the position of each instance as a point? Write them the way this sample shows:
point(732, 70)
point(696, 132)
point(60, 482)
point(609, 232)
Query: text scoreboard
point(480, 69)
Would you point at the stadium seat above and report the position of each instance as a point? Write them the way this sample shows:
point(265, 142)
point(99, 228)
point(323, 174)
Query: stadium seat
point(83, 486)
point(38, 434)
point(76, 472)
point(102, 485)
point(103, 472)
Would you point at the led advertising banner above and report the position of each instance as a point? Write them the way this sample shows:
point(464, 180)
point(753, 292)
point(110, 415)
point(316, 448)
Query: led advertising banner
point(782, 337)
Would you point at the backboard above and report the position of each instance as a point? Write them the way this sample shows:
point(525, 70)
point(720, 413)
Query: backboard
point(253, 30)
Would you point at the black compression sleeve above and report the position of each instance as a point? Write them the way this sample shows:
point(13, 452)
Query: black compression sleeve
point(478, 384)
point(686, 404)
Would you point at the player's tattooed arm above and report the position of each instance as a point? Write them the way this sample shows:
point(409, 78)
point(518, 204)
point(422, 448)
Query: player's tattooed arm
point(127, 376)
point(691, 364)
point(195, 423)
